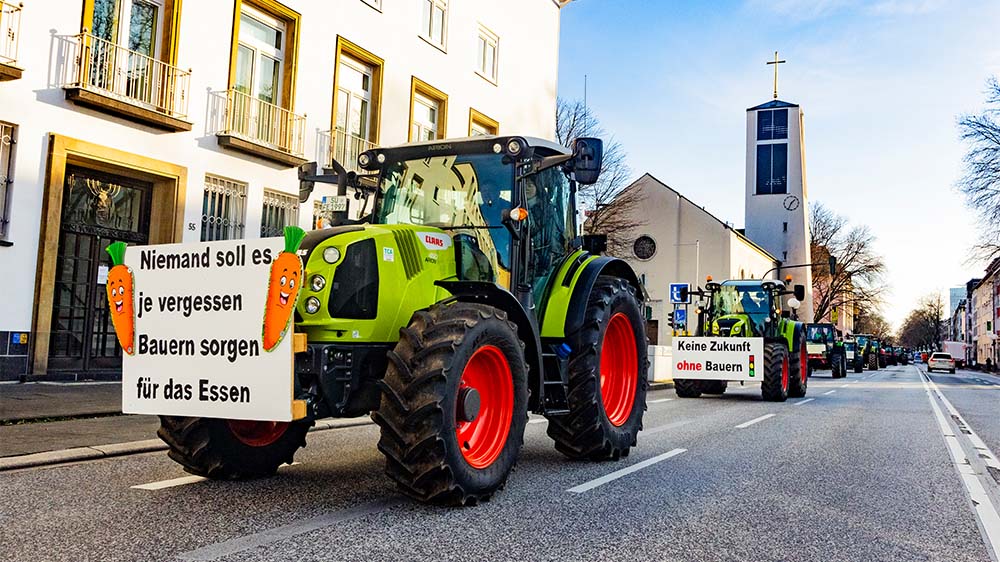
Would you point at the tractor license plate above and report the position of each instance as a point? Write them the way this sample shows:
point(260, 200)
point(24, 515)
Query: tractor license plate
point(730, 359)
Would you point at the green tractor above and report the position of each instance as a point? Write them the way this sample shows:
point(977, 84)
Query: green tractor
point(826, 349)
point(750, 310)
point(460, 301)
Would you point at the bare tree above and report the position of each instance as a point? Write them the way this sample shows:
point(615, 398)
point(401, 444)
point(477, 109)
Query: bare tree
point(924, 326)
point(872, 322)
point(610, 209)
point(859, 278)
point(981, 181)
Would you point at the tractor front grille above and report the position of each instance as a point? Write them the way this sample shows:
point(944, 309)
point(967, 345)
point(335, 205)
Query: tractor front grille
point(409, 252)
point(354, 291)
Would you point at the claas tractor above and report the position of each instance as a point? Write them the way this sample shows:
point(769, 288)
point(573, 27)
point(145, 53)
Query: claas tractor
point(864, 353)
point(735, 318)
point(458, 302)
point(826, 349)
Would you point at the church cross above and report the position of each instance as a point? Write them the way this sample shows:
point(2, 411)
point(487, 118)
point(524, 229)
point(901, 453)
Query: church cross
point(775, 62)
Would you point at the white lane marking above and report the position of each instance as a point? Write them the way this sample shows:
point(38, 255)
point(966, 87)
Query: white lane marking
point(271, 536)
point(170, 483)
point(829, 392)
point(624, 472)
point(658, 400)
point(537, 420)
point(844, 386)
point(182, 481)
point(855, 381)
point(755, 420)
point(803, 401)
point(982, 506)
point(984, 451)
point(665, 427)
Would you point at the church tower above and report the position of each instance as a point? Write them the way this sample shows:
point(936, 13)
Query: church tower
point(777, 209)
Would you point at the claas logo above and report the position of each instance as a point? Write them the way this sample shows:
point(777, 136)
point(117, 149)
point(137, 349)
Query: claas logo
point(751, 365)
point(434, 240)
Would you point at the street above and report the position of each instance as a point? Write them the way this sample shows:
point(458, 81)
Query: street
point(858, 470)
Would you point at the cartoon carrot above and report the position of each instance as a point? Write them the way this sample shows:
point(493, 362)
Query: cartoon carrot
point(121, 292)
point(283, 289)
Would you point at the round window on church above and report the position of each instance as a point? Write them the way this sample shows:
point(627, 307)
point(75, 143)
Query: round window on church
point(644, 247)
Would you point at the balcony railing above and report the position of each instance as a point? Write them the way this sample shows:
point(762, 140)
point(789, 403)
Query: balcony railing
point(342, 146)
point(232, 112)
point(10, 31)
point(91, 63)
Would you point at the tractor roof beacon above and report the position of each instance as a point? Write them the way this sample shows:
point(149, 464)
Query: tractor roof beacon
point(751, 308)
point(460, 300)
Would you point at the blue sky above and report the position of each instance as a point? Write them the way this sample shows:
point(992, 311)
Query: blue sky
point(881, 84)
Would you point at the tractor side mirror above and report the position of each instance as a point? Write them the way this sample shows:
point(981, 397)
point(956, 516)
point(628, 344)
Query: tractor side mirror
point(306, 186)
point(800, 292)
point(684, 294)
point(588, 153)
point(595, 243)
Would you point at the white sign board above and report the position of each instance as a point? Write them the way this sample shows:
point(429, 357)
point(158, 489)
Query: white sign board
point(198, 349)
point(727, 359)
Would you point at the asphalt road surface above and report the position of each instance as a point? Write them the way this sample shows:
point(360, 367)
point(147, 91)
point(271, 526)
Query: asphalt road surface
point(879, 466)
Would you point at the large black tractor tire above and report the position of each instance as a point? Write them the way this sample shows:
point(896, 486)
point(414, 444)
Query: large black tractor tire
point(858, 366)
point(444, 442)
point(843, 365)
point(714, 387)
point(798, 372)
point(774, 386)
point(687, 388)
point(607, 376)
point(229, 449)
point(872, 362)
point(835, 369)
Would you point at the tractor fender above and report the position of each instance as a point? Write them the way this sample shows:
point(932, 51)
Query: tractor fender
point(793, 335)
point(485, 292)
point(596, 267)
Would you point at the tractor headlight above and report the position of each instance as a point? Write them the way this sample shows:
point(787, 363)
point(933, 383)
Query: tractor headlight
point(513, 147)
point(317, 282)
point(331, 255)
point(364, 159)
point(312, 305)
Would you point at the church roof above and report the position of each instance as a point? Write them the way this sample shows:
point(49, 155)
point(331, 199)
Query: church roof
point(740, 232)
point(773, 104)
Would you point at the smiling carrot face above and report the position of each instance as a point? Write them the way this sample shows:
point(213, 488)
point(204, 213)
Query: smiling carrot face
point(283, 290)
point(121, 292)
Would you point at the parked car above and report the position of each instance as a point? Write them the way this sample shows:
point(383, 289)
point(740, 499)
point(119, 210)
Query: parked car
point(942, 361)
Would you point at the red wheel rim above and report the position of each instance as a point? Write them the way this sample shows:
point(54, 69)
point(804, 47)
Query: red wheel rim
point(619, 369)
point(803, 363)
point(482, 439)
point(784, 373)
point(257, 433)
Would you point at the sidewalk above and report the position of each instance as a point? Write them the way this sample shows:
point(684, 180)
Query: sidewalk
point(88, 416)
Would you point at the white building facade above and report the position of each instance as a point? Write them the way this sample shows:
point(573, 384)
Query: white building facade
point(155, 122)
point(777, 206)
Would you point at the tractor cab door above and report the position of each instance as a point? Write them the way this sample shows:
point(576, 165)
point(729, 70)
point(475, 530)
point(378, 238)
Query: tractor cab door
point(551, 225)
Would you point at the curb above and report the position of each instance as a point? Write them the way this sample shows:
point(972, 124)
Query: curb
point(51, 458)
point(76, 454)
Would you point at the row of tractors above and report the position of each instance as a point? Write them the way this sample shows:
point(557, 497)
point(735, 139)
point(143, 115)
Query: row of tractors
point(460, 299)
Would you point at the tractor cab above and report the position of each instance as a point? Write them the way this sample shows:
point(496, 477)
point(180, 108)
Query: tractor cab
point(745, 308)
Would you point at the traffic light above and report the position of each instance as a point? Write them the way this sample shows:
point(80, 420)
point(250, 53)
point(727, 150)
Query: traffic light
point(670, 320)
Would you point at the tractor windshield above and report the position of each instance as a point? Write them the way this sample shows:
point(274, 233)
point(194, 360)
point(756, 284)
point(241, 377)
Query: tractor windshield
point(750, 300)
point(463, 194)
point(820, 334)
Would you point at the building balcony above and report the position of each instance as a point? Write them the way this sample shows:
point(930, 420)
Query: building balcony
point(102, 75)
point(342, 146)
point(247, 124)
point(10, 33)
